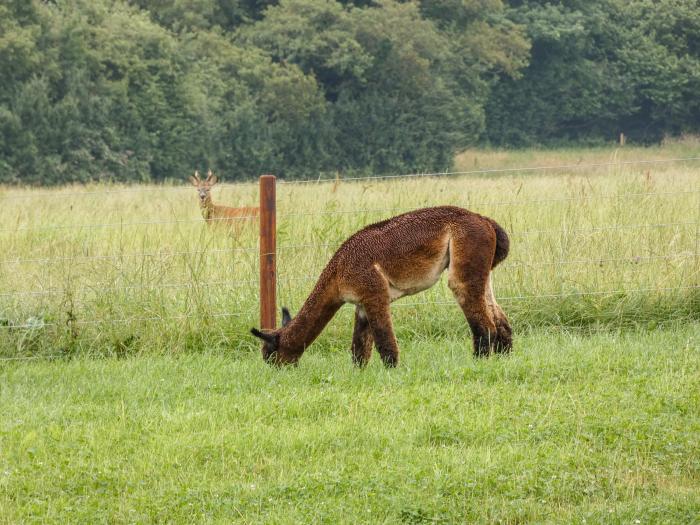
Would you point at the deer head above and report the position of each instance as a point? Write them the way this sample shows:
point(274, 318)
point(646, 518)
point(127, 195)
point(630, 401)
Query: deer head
point(272, 351)
point(203, 186)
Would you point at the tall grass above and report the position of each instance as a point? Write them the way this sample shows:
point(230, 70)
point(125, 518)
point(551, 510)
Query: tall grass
point(136, 269)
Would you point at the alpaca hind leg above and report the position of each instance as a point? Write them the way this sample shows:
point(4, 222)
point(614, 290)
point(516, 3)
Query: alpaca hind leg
point(481, 322)
point(504, 333)
point(468, 278)
point(362, 338)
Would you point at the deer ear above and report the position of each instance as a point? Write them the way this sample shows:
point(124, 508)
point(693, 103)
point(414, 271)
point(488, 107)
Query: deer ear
point(212, 179)
point(196, 175)
point(286, 317)
point(268, 338)
point(194, 181)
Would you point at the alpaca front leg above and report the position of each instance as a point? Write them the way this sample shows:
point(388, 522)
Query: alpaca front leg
point(362, 339)
point(379, 318)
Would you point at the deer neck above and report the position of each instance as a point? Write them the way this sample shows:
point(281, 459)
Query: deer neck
point(318, 309)
point(207, 208)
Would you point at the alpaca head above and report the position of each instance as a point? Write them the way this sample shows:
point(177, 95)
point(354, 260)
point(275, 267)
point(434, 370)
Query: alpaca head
point(272, 351)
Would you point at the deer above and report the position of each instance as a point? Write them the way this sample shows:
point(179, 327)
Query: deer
point(215, 214)
point(395, 258)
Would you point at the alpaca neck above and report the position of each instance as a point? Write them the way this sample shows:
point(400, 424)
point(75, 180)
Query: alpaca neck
point(318, 309)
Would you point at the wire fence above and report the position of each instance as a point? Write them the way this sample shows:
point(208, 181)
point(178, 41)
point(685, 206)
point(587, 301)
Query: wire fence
point(493, 171)
point(291, 247)
point(486, 171)
point(105, 287)
point(354, 211)
point(680, 246)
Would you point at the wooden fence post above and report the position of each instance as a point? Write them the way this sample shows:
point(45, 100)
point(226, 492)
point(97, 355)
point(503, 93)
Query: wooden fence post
point(268, 241)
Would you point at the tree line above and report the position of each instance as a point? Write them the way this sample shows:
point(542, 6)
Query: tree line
point(149, 90)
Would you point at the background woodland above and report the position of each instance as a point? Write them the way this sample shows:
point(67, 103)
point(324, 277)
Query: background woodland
point(149, 90)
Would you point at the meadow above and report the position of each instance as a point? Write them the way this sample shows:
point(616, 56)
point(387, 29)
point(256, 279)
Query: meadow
point(132, 391)
point(600, 428)
point(113, 270)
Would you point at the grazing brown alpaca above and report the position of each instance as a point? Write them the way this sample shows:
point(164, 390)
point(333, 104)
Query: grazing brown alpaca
point(402, 256)
point(215, 214)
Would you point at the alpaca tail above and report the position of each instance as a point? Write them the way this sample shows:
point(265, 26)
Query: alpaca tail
point(502, 244)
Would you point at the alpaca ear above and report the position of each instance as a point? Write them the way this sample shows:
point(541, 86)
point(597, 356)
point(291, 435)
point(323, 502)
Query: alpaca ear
point(268, 338)
point(286, 317)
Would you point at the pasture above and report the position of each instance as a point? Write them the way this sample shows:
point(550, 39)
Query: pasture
point(125, 270)
point(133, 392)
point(600, 428)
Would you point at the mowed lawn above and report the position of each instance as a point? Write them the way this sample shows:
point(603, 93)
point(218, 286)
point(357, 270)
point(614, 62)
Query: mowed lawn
point(571, 428)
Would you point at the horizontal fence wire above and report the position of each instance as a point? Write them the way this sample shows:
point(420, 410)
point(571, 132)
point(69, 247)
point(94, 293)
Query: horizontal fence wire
point(89, 226)
point(162, 254)
point(640, 226)
point(563, 295)
point(133, 189)
point(518, 203)
point(611, 330)
point(111, 257)
point(485, 171)
point(116, 256)
point(637, 259)
point(290, 247)
point(634, 259)
point(93, 322)
point(564, 231)
point(33, 358)
point(68, 323)
point(103, 287)
point(144, 255)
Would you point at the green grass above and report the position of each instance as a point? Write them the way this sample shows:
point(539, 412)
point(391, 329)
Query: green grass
point(568, 429)
point(675, 148)
point(137, 270)
point(160, 409)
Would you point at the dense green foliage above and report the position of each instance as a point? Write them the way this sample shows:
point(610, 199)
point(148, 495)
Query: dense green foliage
point(150, 89)
point(599, 68)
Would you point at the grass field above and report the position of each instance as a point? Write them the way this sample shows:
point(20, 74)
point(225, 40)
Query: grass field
point(132, 392)
point(569, 429)
point(136, 269)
